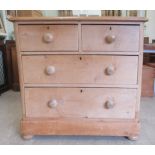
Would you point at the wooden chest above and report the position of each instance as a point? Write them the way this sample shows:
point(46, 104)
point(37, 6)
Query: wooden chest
point(80, 75)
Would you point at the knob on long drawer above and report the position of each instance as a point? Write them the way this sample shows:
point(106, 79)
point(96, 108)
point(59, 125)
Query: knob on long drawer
point(110, 38)
point(49, 70)
point(52, 103)
point(110, 70)
point(109, 104)
point(48, 37)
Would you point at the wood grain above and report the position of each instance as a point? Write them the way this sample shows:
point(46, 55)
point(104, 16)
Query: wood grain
point(81, 53)
point(80, 102)
point(65, 37)
point(78, 85)
point(74, 18)
point(76, 47)
point(85, 69)
point(126, 38)
point(79, 127)
point(19, 59)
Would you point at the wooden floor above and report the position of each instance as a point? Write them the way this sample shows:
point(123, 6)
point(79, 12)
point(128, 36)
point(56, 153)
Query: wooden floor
point(10, 114)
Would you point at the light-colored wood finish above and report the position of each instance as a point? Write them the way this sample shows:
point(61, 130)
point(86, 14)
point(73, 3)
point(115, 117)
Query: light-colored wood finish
point(80, 102)
point(79, 85)
point(74, 18)
point(87, 81)
point(91, 69)
point(140, 65)
point(48, 37)
point(81, 126)
point(110, 38)
point(20, 68)
point(81, 53)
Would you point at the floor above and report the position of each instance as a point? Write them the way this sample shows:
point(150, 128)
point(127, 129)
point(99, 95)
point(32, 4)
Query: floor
point(10, 115)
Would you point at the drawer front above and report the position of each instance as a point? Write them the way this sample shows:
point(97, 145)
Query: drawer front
point(48, 37)
point(80, 102)
point(110, 38)
point(76, 69)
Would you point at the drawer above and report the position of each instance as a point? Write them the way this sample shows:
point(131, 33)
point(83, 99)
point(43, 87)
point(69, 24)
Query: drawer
point(48, 37)
point(110, 38)
point(80, 102)
point(80, 69)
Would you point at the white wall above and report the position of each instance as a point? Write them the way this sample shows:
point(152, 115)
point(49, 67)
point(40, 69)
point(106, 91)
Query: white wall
point(150, 25)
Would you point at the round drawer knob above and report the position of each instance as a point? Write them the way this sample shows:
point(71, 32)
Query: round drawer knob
point(53, 103)
point(110, 70)
point(50, 70)
point(48, 37)
point(109, 104)
point(110, 39)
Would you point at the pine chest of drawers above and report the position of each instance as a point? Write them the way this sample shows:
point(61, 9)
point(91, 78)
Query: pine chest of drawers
point(80, 75)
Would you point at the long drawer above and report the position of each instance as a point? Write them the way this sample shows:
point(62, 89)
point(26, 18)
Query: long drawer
point(48, 37)
point(76, 69)
point(80, 102)
point(110, 38)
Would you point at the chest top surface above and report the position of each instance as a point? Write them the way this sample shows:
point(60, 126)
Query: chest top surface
point(75, 18)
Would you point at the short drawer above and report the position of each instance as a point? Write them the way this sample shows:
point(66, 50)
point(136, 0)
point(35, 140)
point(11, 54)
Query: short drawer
point(110, 38)
point(80, 69)
point(80, 102)
point(48, 37)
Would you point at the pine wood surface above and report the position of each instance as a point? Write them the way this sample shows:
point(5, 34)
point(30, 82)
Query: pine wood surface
point(74, 69)
point(38, 118)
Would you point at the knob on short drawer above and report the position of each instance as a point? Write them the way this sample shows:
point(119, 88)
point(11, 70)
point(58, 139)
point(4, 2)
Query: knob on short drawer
point(50, 70)
point(109, 104)
point(110, 70)
point(52, 103)
point(110, 38)
point(48, 37)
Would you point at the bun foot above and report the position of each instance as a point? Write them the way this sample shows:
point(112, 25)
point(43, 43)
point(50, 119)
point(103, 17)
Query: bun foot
point(133, 138)
point(27, 137)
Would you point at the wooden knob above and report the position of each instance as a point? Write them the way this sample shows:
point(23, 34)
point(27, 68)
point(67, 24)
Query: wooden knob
point(109, 104)
point(110, 70)
point(48, 37)
point(110, 39)
point(52, 103)
point(50, 70)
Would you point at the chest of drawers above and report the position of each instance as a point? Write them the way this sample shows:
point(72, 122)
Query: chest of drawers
point(80, 75)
